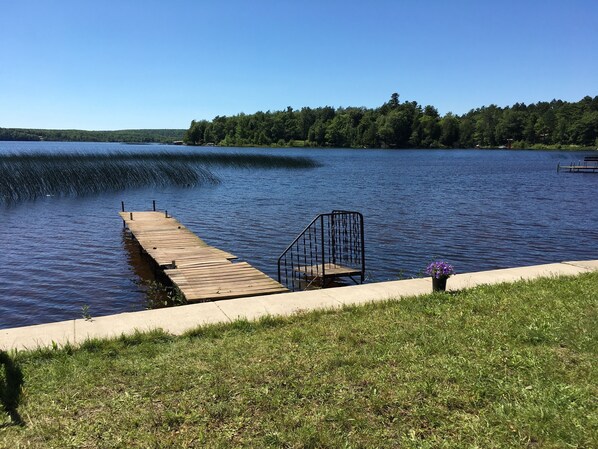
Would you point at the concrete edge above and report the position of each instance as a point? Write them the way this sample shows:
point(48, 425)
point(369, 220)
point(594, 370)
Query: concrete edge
point(177, 320)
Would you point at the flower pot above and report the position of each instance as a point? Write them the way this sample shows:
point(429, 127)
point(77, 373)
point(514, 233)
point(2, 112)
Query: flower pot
point(439, 284)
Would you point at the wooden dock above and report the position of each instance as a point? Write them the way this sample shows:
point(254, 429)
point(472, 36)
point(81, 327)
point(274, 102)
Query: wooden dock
point(589, 165)
point(200, 271)
point(586, 168)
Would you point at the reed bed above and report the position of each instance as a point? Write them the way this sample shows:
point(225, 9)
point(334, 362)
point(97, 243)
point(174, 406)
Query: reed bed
point(26, 176)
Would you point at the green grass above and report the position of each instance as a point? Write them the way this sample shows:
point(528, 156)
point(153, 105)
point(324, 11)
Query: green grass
point(27, 176)
point(502, 366)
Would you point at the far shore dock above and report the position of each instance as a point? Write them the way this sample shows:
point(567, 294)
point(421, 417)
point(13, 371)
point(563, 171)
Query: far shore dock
point(589, 165)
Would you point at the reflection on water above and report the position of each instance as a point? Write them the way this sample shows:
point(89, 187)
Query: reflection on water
point(158, 291)
point(142, 267)
point(477, 209)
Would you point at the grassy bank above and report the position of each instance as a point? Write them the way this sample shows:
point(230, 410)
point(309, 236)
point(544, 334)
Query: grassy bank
point(557, 147)
point(498, 366)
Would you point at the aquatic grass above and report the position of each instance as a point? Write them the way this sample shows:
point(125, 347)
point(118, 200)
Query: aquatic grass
point(254, 160)
point(27, 176)
point(28, 180)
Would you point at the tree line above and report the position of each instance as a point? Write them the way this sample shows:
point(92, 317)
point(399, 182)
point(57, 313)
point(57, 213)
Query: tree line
point(408, 125)
point(75, 135)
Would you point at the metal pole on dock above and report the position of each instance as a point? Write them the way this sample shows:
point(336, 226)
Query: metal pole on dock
point(154, 205)
point(362, 248)
point(323, 250)
point(122, 206)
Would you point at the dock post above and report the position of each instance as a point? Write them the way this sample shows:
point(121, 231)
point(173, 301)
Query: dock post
point(131, 216)
point(154, 205)
point(165, 214)
point(122, 206)
point(323, 251)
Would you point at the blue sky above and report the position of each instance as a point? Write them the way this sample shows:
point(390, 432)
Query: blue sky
point(159, 64)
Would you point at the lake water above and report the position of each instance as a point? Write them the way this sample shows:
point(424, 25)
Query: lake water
point(479, 210)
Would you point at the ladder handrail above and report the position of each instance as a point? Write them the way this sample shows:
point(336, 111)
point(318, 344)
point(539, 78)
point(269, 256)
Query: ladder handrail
point(341, 240)
point(299, 236)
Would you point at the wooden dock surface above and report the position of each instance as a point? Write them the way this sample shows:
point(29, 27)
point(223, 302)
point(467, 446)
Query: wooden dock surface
point(580, 168)
point(199, 270)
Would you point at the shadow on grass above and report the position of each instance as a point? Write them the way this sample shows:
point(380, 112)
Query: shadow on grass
point(11, 381)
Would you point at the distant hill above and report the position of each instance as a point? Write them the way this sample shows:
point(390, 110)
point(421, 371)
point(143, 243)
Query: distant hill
point(76, 135)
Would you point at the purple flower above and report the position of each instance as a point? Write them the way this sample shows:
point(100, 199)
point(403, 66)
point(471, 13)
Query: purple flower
point(440, 269)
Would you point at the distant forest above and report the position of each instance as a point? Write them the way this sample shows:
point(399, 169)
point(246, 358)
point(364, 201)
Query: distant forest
point(554, 124)
point(74, 135)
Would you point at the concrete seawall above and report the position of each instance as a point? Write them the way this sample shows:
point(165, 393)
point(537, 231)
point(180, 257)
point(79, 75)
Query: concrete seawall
point(177, 320)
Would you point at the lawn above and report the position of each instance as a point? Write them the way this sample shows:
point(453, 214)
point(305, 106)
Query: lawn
point(504, 366)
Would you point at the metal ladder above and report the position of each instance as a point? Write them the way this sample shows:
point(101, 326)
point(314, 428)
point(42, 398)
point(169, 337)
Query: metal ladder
point(332, 246)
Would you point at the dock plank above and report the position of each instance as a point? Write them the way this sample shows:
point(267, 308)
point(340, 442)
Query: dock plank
point(329, 268)
point(202, 272)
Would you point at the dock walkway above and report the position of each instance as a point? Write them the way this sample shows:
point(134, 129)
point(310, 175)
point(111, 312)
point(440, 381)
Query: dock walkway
point(202, 272)
point(589, 165)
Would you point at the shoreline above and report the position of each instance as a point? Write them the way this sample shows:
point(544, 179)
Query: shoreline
point(180, 319)
point(535, 147)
